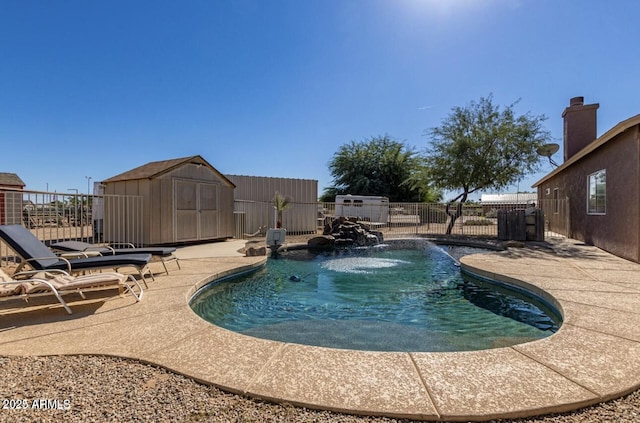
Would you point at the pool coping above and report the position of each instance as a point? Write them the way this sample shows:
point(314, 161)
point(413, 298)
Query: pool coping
point(592, 358)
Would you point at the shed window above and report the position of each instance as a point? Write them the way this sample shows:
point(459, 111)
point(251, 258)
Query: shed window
point(556, 198)
point(597, 191)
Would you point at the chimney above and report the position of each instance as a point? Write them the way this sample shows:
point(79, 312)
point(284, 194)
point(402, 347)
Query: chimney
point(579, 126)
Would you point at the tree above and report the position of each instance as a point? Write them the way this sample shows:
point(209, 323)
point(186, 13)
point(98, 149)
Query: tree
point(377, 166)
point(329, 195)
point(480, 147)
point(280, 203)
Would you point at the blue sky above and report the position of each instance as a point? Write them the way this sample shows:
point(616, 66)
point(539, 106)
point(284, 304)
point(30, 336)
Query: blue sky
point(274, 88)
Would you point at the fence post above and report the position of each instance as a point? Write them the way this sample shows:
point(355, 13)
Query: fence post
point(568, 218)
point(427, 217)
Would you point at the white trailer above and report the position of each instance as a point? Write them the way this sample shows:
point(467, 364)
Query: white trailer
point(365, 207)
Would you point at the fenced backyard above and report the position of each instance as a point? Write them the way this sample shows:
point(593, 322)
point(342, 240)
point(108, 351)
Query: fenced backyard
point(477, 220)
point(56, 217)
point(401, 219)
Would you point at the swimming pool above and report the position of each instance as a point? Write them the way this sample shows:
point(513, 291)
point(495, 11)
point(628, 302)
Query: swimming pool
point(386, 298)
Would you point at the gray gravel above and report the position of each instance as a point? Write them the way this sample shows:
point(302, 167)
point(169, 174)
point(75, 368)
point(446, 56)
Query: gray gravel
point(109, 389)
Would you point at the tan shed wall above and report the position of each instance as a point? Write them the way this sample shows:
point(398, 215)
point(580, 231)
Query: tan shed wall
point(159, 208)
point(225, 198)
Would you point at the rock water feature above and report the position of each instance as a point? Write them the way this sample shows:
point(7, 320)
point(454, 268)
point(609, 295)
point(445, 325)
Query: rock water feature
point(346, 232)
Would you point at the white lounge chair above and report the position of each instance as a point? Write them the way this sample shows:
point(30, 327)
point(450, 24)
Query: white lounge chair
point(58, 282)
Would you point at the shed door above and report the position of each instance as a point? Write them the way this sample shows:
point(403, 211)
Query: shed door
point(196, 210)
point(186, 213)
point(208, 201)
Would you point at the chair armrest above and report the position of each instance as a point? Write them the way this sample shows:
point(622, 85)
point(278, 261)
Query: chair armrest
point(97, 248)
point(44, 258)
point(47, 273)
point(121, 245)
point(113, 251)
point(79, 254)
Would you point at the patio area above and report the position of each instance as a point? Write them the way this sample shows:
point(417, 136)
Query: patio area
point(592, 358)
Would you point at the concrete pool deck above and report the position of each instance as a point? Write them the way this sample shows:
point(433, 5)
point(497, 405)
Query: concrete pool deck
point(592, 358)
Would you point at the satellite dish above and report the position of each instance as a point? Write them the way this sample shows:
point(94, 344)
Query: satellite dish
point(547, 151)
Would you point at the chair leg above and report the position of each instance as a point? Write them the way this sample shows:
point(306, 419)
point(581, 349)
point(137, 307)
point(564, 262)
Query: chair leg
point(143, 279)
point(63, 302)
point(143, 271)
point(129, 287)
point(172, 258)
point(79, 291)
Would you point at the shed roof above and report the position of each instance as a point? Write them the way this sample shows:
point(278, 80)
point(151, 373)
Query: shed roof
point(153, 170)
point(11, 179)
point(519, 198)
point(590, 148)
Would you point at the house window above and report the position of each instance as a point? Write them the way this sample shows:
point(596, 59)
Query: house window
point(597, 191)
point(556, 203)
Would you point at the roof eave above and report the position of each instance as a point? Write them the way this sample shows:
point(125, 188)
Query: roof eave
point(597, 143)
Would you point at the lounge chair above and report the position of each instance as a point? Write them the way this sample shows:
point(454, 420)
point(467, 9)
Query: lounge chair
point(163, 254)
point(37, 255)
point(58, 282)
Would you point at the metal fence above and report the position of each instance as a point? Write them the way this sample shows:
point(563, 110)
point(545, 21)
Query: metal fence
point(254, 217)
point(54, 217)
point(480, 220)
point(403, 219)
point(103, 218)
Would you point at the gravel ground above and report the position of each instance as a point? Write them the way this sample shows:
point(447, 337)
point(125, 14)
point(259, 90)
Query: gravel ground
point(108, 389)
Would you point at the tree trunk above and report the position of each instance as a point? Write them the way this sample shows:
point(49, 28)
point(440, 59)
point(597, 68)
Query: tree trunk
point(453, 216)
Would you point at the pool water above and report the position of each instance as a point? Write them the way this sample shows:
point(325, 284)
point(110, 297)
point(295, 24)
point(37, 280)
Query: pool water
point(384, 298)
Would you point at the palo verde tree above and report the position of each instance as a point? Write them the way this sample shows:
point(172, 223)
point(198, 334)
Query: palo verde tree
point(481, 147)
point(377, 166)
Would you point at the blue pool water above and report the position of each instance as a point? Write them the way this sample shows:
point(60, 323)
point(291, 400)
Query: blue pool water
point(384, 298)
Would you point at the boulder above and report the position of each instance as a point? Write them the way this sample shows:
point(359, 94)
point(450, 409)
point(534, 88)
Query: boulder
point(371, 239)
point(254, 251)
point(348, 231)
point(378, 235)
point(322, 241)
point(344, 242)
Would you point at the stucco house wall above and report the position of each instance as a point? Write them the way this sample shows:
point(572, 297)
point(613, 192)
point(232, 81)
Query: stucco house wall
point(617, 152)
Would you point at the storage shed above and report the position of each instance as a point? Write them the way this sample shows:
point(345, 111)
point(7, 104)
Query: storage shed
point(183, 200)
point(10, 201)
